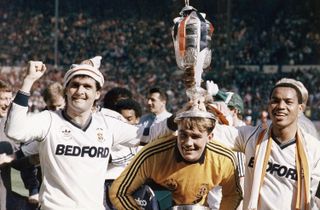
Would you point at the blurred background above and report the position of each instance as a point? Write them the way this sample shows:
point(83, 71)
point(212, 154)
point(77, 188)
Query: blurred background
point(254, 44)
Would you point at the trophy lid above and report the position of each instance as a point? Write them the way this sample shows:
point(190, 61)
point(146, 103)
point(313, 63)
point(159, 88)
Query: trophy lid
point(187, 10)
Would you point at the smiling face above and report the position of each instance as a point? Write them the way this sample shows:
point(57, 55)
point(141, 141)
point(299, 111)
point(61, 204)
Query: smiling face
point(5, 100)
point(193, 135)
point(284, 108)
point(81, 93)
point(155, 103)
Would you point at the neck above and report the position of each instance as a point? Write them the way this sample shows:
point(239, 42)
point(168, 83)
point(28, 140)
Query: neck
point(80, 119)
point(160, 112)
point(285, 134)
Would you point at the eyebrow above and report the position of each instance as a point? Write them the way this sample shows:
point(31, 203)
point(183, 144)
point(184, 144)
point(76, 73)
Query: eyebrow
point(286, 99)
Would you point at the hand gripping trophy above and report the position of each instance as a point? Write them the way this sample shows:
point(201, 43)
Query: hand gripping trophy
point(191, 35)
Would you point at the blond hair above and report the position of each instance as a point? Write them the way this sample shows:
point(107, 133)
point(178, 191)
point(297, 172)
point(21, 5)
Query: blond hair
point(5, 87)
point(202, 124)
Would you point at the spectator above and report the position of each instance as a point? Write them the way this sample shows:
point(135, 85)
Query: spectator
point(26, 169)
point(156, 103)
point(53, 96)
point(264, 119)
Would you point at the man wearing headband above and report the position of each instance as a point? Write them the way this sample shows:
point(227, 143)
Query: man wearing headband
point(304, 122)
point(188, 165)
point(74, 143)
point(282, 160)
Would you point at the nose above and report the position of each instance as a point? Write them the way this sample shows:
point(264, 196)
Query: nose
point(281, 104)
point(8, 101)
point(80, 89)
point(188, 141)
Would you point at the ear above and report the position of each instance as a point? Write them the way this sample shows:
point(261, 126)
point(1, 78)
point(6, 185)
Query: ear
point(301, 108)
point(98, 94)
point(210, 137)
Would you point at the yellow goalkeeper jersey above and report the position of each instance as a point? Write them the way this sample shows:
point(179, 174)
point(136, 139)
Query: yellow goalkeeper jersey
point(189, 183)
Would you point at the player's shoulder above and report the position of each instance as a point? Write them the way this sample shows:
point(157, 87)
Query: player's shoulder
point(111, 114)
point(310, 141)
point(215, 145)
point(312, 146)
point(249, 129)
point(219, 149)
point(161, 144)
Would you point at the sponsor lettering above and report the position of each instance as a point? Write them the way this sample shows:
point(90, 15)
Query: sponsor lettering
point(71, 150)
point(280, 170)
point(142, 203)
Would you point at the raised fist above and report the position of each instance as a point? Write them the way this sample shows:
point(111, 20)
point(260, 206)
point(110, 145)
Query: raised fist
point(35, 70)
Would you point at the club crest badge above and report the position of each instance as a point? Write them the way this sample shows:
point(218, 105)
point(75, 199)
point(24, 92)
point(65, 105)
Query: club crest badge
point(203, 190)
point(100, 136)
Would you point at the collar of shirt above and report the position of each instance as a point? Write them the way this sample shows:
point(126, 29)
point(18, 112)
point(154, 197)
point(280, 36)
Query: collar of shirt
point(69, 119)
point(163, 115)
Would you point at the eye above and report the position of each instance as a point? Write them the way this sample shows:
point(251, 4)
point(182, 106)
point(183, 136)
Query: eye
point(74, 85)
point(289, 102)
point(87, 86)
point(196, 136)
point(183, 135)
point(274, 100)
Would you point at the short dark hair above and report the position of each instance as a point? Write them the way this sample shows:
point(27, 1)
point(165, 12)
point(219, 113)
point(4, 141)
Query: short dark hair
point(162, 93)
point(128, 104)
point(113, 95)
point(299, 95)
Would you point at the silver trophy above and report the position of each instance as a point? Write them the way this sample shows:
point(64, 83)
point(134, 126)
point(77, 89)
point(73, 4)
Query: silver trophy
point(191, 36)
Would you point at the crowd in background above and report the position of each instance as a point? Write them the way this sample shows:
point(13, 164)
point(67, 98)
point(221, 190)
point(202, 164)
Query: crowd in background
point(138, 52)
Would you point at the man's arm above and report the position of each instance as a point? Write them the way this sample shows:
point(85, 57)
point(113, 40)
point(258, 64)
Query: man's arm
point(30, 148)
point(20, 125)
point(231, 189)
point(134, 176)
point(229, 136)
point(130, 135)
